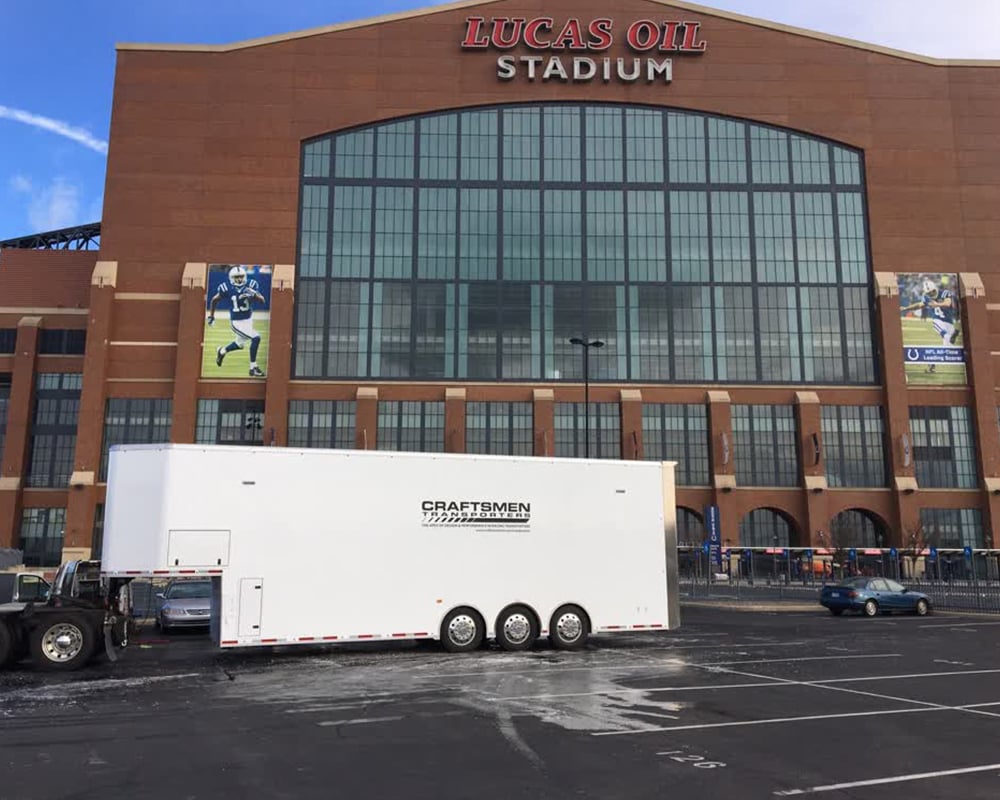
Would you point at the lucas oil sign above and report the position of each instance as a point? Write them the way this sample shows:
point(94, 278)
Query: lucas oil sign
point(560, 48)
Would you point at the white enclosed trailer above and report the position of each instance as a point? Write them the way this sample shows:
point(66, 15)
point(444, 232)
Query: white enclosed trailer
point(309, 546)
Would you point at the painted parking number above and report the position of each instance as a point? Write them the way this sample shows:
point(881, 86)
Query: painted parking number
point(691, 760)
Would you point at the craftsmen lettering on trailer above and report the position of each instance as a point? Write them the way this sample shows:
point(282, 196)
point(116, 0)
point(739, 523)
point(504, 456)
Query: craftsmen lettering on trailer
point(508, 515)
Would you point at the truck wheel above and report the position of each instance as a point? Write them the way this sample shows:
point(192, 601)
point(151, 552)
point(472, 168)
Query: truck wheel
point(569, 628)
point(62, 643)
point(6, 645)
point(462, 630)
point(516, 628)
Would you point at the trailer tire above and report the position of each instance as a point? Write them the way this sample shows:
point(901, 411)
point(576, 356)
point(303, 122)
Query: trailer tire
point(517, 628)
point(463, 630)
point(569, 628)
point(8, 646)
point(63, 643)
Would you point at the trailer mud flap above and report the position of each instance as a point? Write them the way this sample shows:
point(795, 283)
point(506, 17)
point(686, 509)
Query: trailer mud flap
point(251, 592)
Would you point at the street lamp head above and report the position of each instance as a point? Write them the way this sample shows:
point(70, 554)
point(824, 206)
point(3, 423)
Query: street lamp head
point(577, 340)
point(596, 343)
point(585, 343)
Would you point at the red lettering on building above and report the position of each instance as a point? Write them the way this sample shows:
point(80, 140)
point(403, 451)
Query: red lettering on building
point(691, 43)
point(570, 37)
point(504, 39)
point(533, 28)
point(642, 35)
point(474, 37)
point(601, 37)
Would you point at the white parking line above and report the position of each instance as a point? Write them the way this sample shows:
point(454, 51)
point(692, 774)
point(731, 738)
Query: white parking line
point(363, 721)
point(803, 658)
point(771, 721)
point(961, 625)
point(919, 776)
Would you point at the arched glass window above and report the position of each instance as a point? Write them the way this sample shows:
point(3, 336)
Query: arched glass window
point(764, 527)
point(471, 245)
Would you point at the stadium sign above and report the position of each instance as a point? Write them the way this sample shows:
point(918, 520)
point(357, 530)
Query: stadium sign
point(544, 35)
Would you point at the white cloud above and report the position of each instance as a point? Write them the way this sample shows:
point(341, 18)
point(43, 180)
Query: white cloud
point(79, 135)
point(20, 183)
point(49, 207)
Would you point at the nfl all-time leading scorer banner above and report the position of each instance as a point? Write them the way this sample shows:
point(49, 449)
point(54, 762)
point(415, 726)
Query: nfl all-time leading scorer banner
point(933, 346)
point(237, 321)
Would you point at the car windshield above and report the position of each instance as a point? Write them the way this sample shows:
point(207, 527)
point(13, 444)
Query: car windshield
point(187, 591)
point(854, 583)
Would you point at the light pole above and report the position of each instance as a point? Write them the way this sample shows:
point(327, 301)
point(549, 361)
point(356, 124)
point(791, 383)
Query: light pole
point(586, 345)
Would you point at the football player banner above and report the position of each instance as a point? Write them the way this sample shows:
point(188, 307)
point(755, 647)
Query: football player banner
point(237, 321)
point(933, 346)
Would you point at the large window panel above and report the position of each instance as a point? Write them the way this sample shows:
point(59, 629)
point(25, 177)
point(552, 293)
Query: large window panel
point(393, 232)
point(53, 429)
point(678, 432)
point(411, 425)
point(944, 448)
point(522, 232)
point(750, 281)
point(477, 250)
point(953, 527)
point(134, 421)
point(643, 146)
point(5, 382)
point(437, 228)
point(478, 330)
point(322, 423)
point(499, 428)
point(647, 237)
point(766, 445)
point(352, 233)
point(347, 344)
point(854, 446)
point(571, 430)
point(232, 422)
point(43, 532)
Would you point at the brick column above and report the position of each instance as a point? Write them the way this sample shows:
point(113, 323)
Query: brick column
point(82, 496)
point(722, 461)
point(976, 334)
point(454, 420)
point(899, 440)
point(19, 411)
point(190, 333)
point(631, 424)
point(279, 358)
point(366, 422)
point(811, 466)
point(545, 422)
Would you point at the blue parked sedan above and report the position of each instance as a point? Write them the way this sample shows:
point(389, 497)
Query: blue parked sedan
point(872, 595)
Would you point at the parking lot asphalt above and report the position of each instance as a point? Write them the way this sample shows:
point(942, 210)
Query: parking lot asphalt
point(737, 705)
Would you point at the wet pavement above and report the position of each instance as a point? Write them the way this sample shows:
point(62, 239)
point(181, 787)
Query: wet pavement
point(734, 705)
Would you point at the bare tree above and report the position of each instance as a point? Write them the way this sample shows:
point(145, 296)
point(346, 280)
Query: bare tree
point(917, 538)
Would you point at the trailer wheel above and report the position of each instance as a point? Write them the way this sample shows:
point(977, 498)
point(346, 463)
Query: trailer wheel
point(62, 643)
point(517, 628)
point(569, 628)
point(463, 630)
point(7, 645)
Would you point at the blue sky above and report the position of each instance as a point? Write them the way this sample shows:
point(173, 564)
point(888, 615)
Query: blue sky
point(56, 79)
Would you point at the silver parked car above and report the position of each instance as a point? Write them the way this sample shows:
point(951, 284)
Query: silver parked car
point(185, 604)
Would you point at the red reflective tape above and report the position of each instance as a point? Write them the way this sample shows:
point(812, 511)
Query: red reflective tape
point(613, 627)
point(398, 635)
point(638, 626)
point(231, 641)
point(656, 625)
point(366, 635)
point(268, 641)
point(161, 571)
point(215, 572)
point(422, 633)
point(330, 638)
point(133, 572)
point(187, 571)
point(307, 638)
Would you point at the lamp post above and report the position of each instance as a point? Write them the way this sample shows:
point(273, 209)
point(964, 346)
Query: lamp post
point(586, 345)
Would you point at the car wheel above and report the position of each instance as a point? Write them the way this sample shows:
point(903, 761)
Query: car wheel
point(870, 609)
point(836, 611)
point(569, 628)
point(462, 631)
point(516, 628)
point(923, 608)
point(62, 643)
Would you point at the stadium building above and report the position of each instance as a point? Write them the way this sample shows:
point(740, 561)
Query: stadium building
point(778, 252)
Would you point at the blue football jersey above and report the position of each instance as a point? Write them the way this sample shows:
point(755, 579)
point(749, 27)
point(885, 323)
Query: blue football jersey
point(947, 314)
point(240, 300)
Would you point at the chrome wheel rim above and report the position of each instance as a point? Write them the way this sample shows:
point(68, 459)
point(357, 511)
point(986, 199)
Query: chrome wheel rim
point(569, 627)
point(462, 629)
point(870, 608)
point(921, 607)
point(62, 642)
point(517, 628)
